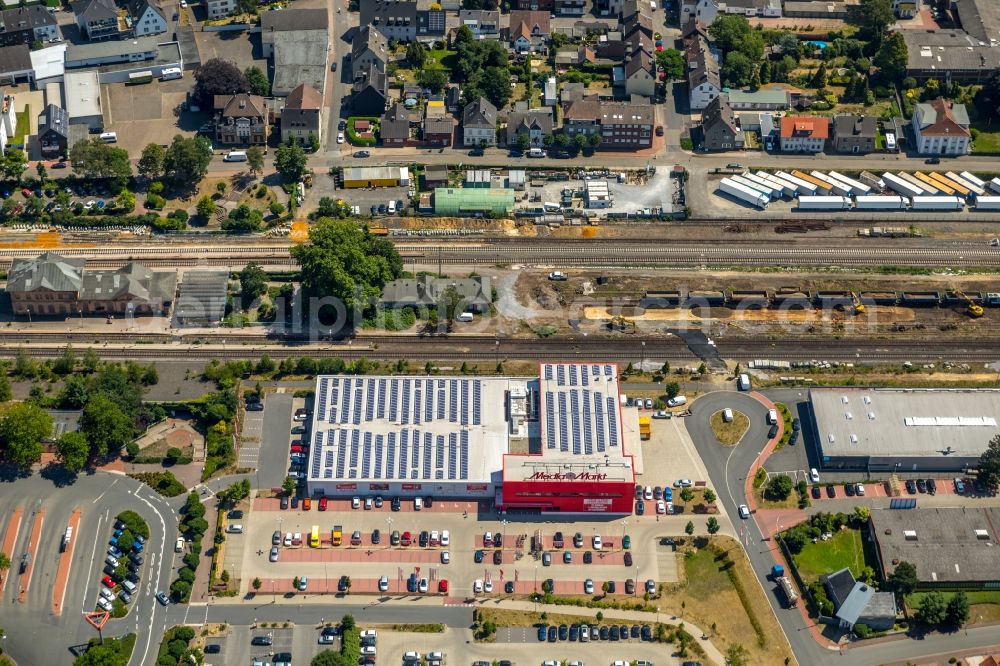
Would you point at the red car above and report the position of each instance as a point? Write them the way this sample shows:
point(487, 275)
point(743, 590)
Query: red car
point(322, 504)
point(406, 540)
point(443, 586)
point(108, 583)
point(27, 193)
point(296, 448)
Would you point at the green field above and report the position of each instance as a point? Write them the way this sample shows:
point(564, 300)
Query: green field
point(845, 549)
point(442, 59)
point(986, 142)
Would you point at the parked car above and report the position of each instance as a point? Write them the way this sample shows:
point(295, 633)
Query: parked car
point(911, 486)
point(831, 491)
point(932, 486)
point(922, 485)
point(959, 486)
point(362, 153)
point(849, 489)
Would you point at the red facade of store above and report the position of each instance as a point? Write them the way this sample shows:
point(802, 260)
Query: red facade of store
point(569, 496)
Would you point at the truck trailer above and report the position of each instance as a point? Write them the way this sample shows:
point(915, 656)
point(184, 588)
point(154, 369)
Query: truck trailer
point(900, 185)
point(974, 179)
point(856, 187)
point(801, 186)
point(974, 190)
point(995, 185)
point(787, 188)
point(870, 179)
point(743, 193)
point(937, 203)
point(880, 202)
point(987, 203)
point(765, 186)
point(824, 202)
point(834, 187)
point(746, 182)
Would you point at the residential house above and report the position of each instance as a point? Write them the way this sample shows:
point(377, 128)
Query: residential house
point(294, 21)
point(538, 5)
point(369, 47)
point(719, 128)
point(761, 100)
point(534, 124)
point(16, 64)
point(824, 9)
point(431, 23)
point(439, 126)
point(704, 83)
point(369, 92)
point(453, 98)
point(621, 126)
point(25, 25)
point(640, 74)
point(574, 55)
point(549, 96)
point(8, 120)
point(394, 130)
point(856, 602)
point(298, 41)
point(479, 123)
point(148, 18)
point(704, 11)
point(240, 119)
point(395, 20)
point(219, 8)
point(425, 291)
point(99, 19)
point(750, 8)
point(529, 30)
point(941, 127)
point(692, 29)
point(53, 131)
point(435, 175)
point(637, 22)
point(854, 134)
point(608, 7)
point(54, 285)
point(570, 7)
point(302, 116)
point(484, 24)
point(804, 134)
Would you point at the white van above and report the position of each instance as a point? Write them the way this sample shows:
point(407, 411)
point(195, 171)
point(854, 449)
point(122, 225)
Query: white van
point(465, 316)
point(179, 545)
point(391, 208)
point(727, 415)
point(235, 156)
point(418, 503)
point(743, 383)
point(677, 401)
point(536, 152)
point(129, 586)
point(772, 416)
point(171, 73)
point(109, 137)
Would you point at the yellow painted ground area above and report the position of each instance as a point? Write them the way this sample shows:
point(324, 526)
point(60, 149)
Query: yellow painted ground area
point(46, 240)
point(299, 232)
point(881, 315)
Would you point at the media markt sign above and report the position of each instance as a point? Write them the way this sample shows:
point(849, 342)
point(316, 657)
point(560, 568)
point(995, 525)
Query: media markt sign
point(569, 476)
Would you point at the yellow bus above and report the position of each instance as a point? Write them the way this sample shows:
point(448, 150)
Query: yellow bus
point(314, 537)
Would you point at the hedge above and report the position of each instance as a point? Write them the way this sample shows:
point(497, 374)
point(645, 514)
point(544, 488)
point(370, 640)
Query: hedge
point(353, 137)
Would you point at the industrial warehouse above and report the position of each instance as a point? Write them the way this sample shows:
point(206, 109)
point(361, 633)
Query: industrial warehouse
point(561, 442)
point(903, 430)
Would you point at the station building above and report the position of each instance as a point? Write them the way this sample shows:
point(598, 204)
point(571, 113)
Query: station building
point(561, 442)
point(903, 430)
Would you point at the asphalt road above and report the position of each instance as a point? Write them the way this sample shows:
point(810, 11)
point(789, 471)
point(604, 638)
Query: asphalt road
point(265, 608)
point(275, 441)
point(727, 469)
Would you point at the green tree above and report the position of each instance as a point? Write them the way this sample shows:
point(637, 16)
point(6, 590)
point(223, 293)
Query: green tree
point(672, 63)
point(205, 207)
point(102, 655)
point(957, 612)
point(23, 428)
point(150, 165)
point(243, 219)
point(892, 57)
point(344, 261)
point(15, 163)
point(72, 449)
point(904, 578)
point(106, 426)
point(932, 608)
point(255, 160)
point(125, 201)
point(495, 85)
point(689, 528)
point(416, 54)
point(779, 487)
point(218, 77)
point(672, 389)
point(708, 495)
point(4, 563)
point(259, 85)
point(989, 464)
point(712, 525)
point(737, 70)
point(253, 283)
point(290, 162)
point(875, 18)
point(987, 99)
point(256, 584)
point(186, 161)
point(736, 655)
point(819, 78)
point(92, 158)
point(329, 658)
point(434, 79)
point(5, 391)
point(289, 485)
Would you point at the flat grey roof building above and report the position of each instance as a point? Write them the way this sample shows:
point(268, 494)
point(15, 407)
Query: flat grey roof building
point(904, 429)
point(82, 96)
point(948, 547)
point(299, 57)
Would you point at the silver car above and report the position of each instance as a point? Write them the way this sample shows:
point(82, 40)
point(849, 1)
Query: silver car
point(274, 554)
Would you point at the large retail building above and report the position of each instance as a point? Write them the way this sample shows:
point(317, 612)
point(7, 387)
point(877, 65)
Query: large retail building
point(560, 442)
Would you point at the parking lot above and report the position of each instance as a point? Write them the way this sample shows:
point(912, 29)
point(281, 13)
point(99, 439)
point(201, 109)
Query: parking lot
point(659, 191)
point(149, 113)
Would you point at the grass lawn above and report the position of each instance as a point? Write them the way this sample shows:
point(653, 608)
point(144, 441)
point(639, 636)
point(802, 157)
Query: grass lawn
point(442, 59)
point(984, 605)
point(845, 549)
point(23, 125)
point(986, 142)
point(730, 433)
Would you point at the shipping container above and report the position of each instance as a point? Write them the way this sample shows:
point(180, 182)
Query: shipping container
point(801, 186)
point(974, 190)
point(916, 182)
point(834, 187)
point(822, 186)
point(879, 202)
point(868, 178)
point(987, 203)
point(857, 188)
point(972, 178)
point(930, 186)
point(765, 186)
point(787, 188)
point(937, 203)
point(824, 202)
point(995, 185)
point(900, 185)
point(743, 193)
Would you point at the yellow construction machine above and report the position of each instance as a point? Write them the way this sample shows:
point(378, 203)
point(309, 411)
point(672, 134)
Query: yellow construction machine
point(972, 308)
point(859, 307)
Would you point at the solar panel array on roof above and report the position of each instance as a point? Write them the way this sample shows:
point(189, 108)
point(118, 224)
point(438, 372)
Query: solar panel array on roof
point(587, 420)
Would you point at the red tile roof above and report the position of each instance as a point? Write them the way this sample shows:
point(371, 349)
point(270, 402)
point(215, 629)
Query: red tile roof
point(805, 126)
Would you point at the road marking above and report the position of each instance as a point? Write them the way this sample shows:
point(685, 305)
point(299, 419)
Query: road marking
point(96, 499)
point(9, 539)
point(159, 576)
point(65, 565)
point(93, 552)
point(36, 533)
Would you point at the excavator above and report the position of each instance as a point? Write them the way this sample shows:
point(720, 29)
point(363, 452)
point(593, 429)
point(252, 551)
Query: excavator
point(972, 308)
point(623, 325)
point(859, 307)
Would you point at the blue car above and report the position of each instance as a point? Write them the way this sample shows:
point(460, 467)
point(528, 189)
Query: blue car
point(552, 634)
point(411, 583)
point(541, 632)
point(137, 547)
point(668, 494)
point(113, 541)
point(640, 507)
point(118, 532)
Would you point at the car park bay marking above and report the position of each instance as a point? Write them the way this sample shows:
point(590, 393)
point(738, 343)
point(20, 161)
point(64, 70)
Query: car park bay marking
point(93, 552)
point(36, 535)
point(65, 563)
point(9, 539)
